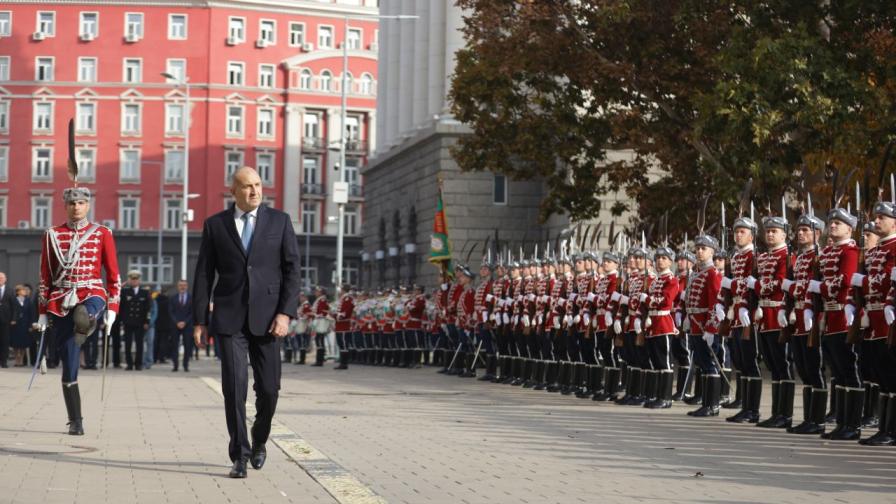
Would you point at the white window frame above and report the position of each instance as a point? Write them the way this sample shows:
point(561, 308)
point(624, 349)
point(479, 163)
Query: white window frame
point(266, 135)
point(80, 126)
point(316, 122)
point(231, 168)
point(35, 223)
point(360, 33)
point(4, 163)
point(38, 25)
point(36, 126)
point(172, 205)
point(272, 40)
point(351, 220)
point(315, 171)
point(124, 70)
point(86, 172)
point(365, 84)
point(124, 119)
point(173, 36)
point(5, 68)
point(242, 37)
point(81, 66)
point(330, 44)
point(506, 189)
point(325, 76)
point(230, 133)
point(315, 217)
point(148, 267)
point(180, 74)
point(141, 25)
point(306, 78)
point(122, 179)
point(37, 65)
point(171, 176)
point(4, 210)
point(81, 25)
point(35, 177)
point(241, 74)
point(177, 129)
point(267, 179)
point(293, 24)
point(8, 31)
point(122, 222)
point(5, 107)
point(261, 74)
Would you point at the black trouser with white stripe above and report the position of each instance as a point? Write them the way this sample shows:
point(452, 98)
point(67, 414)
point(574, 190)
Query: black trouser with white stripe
point(658, 352)
point(604, 343)
point(776, 355)
point(807, 361)
point(843, 358)
point(744, 352)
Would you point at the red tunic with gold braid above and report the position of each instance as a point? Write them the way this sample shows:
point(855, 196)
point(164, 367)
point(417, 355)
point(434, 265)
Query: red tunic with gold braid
point(451, 310)
point(680, 301)
point(497, 299)
point(660, 301)
point(481, 305)
point(876, 285)
point(557, 309)
point(638, 283)
point(71, 268)
point(772, 268)
point(701, 299)
point(606, 286)
point(542, 300)
point(344, 314)
point(837, 264)
point(466, 313)
point(583, 304)
point(416, 310)
point(741, 268)
point(515, 297)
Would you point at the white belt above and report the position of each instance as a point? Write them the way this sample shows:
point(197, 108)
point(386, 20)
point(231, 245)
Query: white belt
point(833, 307)
point(799, 305)
point(737, 300)
point(697, 311)
point(767, 303)
point(601, 312)
point(659, 313)
point(81, 283)
point(875, 306)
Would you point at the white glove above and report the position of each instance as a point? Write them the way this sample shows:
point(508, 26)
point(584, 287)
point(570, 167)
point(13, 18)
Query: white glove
point(615, 296)
point(587, 320)
point(485, 316)
point(505, 318)
point(608, 319)
point(744, 316)
point(642, 297)
point(499, 321)
point(850, 312)
point(726, 283)
point(686, 326)
point(489, 297)
point(538, 320)
point(617, 327)
point(708, 338)
point(751, 282)
point(590, 296)
point(720, 312)
point(678, 319)
point(109, 319)
point(525, 320)
point(782, 318)
point(856, 280)
point(808, 318)
point(531, 297)
point(516, 319)
point(637, 325)
point(814, 286)
point(889, 315)
point(42, 322)
point(623, 300)
point(649, 323)
point(567, 320)
point(556, 322)
point(444, 286)
point(576, 319)
point(786, 284)
point(561, 301)
point(573, 296)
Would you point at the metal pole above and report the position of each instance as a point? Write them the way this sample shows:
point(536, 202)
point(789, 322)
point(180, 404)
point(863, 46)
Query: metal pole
point(307, 253)
point(341, 206)
point(161, 220)
point(185, 205)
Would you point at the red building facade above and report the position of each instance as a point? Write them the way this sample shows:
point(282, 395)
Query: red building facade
point(264, 81)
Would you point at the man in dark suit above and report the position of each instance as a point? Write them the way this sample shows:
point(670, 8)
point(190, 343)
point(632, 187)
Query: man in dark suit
point(253, 251)
point(135, 305)
point(6, 312)
point(180, 306)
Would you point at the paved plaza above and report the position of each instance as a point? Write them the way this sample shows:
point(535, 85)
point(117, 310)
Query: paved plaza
point(375, 434)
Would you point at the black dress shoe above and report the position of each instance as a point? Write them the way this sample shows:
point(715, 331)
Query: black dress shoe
point(259, 455)
point(239, 469)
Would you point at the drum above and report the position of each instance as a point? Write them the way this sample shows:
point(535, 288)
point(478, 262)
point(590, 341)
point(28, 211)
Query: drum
point(321, 325)
point(302, 326)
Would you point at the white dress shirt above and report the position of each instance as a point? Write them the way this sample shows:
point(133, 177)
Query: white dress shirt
point(238, 216)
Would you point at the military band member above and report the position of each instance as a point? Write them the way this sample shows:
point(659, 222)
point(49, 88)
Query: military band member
point(415, 307)
point(320, 310)
point(838, 262)
point(344, 314)
point(466, 322)
point(72, 293)
point(303, 327)
point(703, 338)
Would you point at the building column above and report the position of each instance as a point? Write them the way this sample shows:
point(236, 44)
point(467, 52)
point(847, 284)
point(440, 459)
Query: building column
point(421, 62)
point(382, 83)
point(436, 66)
point(406, 59)
point(292, 163)
point(391, 29)
point(373, 126)
point(454, 40)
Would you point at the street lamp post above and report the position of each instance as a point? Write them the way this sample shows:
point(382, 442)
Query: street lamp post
point(161, 166)
point(185, 82)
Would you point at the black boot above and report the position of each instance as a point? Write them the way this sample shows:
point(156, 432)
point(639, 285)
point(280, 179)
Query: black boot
point(773, 418)
point(444, 359)
point(503, 369)
point(552, 371)
point(425, 354)
point(343, 360)
point(682, 380)
point(885, 434)
point(807, 410)
point(651, 386)
point(287, 355)
point(596, 381)
point(457, 367)
point(855, 403)
point(319, 357)
point(436, 357)
point(751, 397)
point(738, 401)
point(629, 379)
point(664, 391)
point(72, 397)
point(839, 412)
point(528, 373)
point(611, 385)
point(491, 368)
point(831, 415)
point(469, 370)
point(352, 356)
point(566, 386)
point(540, 372)
point(697, 398)
point(635, 393)
point(519, 373)
point(562, 374)
point(785, 408)
point(302, 355)
point(584, 390)
point(712, 393)
point(869, 415)
point(815, 423)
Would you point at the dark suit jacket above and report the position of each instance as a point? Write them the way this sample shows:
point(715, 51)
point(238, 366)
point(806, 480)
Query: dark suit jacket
point(249, 289)
point(134, 308)
point(6, 307)
point(181, 312)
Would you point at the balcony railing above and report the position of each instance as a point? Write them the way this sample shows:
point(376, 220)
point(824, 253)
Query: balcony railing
point(356, 146)
point(312, 189)
point(312, 143)
point(355, 191)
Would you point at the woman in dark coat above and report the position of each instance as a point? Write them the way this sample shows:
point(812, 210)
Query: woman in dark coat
point(20, 327)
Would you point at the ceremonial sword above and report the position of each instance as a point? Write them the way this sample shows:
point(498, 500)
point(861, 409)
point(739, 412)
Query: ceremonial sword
point(37, 361)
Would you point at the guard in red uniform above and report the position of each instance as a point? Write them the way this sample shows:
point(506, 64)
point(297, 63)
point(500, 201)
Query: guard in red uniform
point(838, 262)
point(466, 322)
point(452, 337)
point(681, 351)
point(415, 307)
point(72, 292)
point(320, 325)
point(606, 299)
point(632, 326)
point(807, 359)
point(303, 328)
point(344, 313)
point(660, 300)
point(703, 338)
point(483, 307)
point(497, 324)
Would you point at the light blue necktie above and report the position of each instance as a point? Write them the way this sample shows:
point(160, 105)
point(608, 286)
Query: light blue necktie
point(247, 231)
